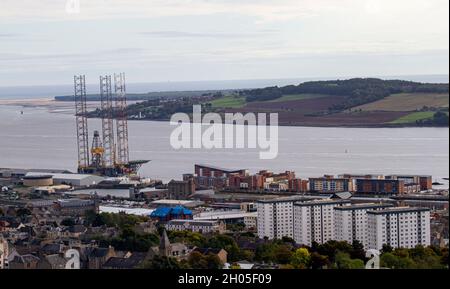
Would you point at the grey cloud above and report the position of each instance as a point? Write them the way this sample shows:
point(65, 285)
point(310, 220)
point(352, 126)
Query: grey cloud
point(8, 35)
point(223, 35)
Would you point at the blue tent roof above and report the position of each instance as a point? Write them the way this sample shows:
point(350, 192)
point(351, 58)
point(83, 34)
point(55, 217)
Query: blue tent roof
point(180, 210)
point(162, 212)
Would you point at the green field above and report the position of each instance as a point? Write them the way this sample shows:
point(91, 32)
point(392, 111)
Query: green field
point(291, 97)
point(413, 117)
point(228, 102)
point(407, 102)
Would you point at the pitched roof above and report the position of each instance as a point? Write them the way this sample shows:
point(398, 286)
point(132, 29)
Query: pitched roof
point(56, 261)
point(28, 258)
point(51, 248)
point(206, 251)
point(125, 263)
point(98, 252)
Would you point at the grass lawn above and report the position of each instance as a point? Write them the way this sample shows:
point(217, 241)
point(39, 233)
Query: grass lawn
point(228, 102)
point(412, 117)
point(290, 97)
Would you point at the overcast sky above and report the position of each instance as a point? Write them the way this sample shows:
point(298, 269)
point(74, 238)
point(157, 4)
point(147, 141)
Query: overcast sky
point(183, 40)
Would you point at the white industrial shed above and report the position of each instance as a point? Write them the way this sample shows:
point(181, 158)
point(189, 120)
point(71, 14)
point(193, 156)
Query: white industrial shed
point(78, 180)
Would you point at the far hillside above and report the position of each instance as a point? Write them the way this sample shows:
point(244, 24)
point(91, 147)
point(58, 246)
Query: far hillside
point(353, 102)
point(358, 102)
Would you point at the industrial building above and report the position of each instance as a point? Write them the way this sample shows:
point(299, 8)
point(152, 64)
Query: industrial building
point(181, 189)
point(175, 203)
point(77, 180)
point(230, 217)
point(37, 180)
point(164, 214)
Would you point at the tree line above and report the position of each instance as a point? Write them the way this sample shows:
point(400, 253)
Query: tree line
point(357, 91)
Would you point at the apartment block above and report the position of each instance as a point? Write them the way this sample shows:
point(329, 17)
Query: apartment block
point(380, 187)
point(276, 218)
point(350, 222)
point(330, 184)
point(314, 220)
point(401, 227)
point(424, 181)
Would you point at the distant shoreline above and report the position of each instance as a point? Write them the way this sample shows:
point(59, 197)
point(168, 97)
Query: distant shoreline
point(55, 106)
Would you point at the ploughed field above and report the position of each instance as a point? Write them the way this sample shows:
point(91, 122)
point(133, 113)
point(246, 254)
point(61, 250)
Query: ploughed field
point(313, 110)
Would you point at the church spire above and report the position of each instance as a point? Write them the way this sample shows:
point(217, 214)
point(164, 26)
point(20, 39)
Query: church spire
point(165, 248)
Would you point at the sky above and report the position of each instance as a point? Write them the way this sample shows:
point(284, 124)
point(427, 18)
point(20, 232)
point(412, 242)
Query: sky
point(46, 42)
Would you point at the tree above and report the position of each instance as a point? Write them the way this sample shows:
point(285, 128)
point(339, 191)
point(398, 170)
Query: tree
point(286, 239)
point(301, 258)
point(440, 118)
point(343, 261)
point(23, 214)
point(358, 251)
point(163, 263)
point(392, 261)
point(386, 248)
point(332, 247)
point(282, 254)
point(68, 222)
point(319, 261)
point(213, 262)
point(425, 258)
point(228, 244)
point(196, 260)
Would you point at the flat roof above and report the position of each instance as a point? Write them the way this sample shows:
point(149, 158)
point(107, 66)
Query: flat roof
point(223, 215)
point(320, 202)
point(37, 177)
point(292, 199)
point(174, 202)
point(64, 176)
point(408, 176)
point(397, 210)
point(131, 211)
point(363, 206)
point(198, 222)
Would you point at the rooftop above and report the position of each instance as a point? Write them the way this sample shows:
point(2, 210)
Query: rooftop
point(223, 215)
point(321, 202)
point(363, 206)
point(63, 176)
point(195, 222)
point(219, 168)
point(291, 199)
point(398, 210)
point(162, 212)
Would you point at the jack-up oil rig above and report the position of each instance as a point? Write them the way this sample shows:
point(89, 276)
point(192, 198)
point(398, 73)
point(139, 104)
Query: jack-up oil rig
point(106, 156)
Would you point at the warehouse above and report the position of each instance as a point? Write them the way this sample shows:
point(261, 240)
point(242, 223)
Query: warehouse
point(77, 180)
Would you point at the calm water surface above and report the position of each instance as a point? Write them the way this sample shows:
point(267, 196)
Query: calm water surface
point(39, 139)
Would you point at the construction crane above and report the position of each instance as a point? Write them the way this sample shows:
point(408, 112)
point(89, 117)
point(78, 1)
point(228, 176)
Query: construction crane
point(109, 156)
point(97, 152)
point(121, 120)
point(81, 122)
point(106, 156)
